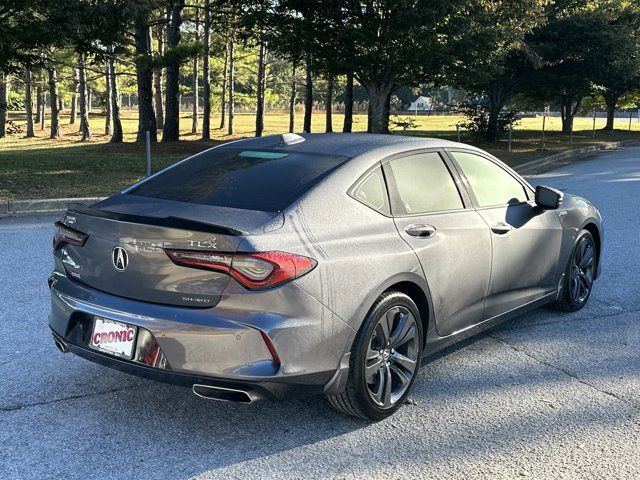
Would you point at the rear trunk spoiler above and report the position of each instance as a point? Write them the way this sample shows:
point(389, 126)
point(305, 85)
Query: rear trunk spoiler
point(169, 222)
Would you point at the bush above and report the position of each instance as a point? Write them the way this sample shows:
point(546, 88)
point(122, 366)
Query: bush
point(477, 122)
point(403, 123)
point(16, 101)
point(13, 128)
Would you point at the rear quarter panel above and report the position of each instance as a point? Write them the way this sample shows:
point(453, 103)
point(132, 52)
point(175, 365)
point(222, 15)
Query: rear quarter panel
point(358, 249)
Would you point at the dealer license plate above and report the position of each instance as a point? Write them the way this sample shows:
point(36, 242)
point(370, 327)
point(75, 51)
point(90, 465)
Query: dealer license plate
point(113, 337)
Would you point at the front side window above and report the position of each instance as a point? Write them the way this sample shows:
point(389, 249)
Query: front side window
point(491, 184)
point(425, 184)
point(372, 191)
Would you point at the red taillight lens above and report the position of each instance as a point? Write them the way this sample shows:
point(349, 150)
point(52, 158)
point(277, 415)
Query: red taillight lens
point(66, 235)
point(254, 271)
point(204, 260)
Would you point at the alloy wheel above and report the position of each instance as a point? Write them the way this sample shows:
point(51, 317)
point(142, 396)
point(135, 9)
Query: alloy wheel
point(582, 270)
point(392, 356)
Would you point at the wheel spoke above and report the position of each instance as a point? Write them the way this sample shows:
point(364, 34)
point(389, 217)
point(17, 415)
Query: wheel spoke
point(405, 362)
point(373, 368)
point(372, 353)
point(402, 376)
point(386, 399)
point(587, 260)
point(585, 285)
point(583, 248)
point(575, 288)
point(402, 332)
point(379, 389)
point(386, 324)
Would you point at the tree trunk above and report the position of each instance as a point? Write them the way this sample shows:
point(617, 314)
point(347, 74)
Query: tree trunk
point(292, 98)
point(53, 100)
point(369, 116)
point(206, 76)
point(611, 100)
point(74, 98)
point(567, 124)
point(328, 105)
point(28, 102)
point(497, 101)
point(262, 77)
point(42, 101)
point(84, 110)
point(348, 105)
point(568, 109)
point(38, 118)
point(223, 94)
point(107, 91)
point(387, 109)
point(157, 80)
point(171, 131)
point(308, 100)
point(491, 134)
point(144, 79)
point(379, 96)
point(4, 103)
point(231, 83)
point(116, 137)
point(196, 71)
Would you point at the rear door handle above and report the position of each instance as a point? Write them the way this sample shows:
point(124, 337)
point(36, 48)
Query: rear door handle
point(501, 228)
point(421, 231)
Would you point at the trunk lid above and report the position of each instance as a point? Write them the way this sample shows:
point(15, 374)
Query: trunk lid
point(148, 275)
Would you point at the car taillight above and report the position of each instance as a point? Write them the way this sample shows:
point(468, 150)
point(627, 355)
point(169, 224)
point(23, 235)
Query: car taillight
point(66, 235)
point(254, 271)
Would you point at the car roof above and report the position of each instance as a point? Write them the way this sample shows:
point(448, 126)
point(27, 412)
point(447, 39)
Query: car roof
point(346, 144)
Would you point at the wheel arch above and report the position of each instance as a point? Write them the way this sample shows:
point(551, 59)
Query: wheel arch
point(412, 285)
point(593, 229)
point(418, 295)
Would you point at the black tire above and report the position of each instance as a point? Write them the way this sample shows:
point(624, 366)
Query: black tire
point(378, 382)
point(577, 282)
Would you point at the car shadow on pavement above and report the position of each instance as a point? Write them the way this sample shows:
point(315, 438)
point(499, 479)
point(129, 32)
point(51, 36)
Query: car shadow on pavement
point(478, 397)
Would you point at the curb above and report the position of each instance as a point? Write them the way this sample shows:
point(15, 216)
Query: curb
point(54, 205)
point(545, 163)
point(49, 205)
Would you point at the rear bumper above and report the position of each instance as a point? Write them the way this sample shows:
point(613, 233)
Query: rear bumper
point(220, 346)
point(257, 390)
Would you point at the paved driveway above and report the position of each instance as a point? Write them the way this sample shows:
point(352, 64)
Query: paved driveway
point(544, 396)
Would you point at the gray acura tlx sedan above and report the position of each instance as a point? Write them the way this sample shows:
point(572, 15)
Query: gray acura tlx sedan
point(330, 263)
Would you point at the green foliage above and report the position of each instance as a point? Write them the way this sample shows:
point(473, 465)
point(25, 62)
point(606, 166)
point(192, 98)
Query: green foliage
point(478, 119)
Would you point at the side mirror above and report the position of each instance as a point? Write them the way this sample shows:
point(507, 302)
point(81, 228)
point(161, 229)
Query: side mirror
point(548, 198)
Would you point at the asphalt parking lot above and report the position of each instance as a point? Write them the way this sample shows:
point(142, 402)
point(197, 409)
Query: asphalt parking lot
point(547, 395)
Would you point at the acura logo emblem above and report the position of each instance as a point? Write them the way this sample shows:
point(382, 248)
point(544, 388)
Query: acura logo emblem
point(120, 258)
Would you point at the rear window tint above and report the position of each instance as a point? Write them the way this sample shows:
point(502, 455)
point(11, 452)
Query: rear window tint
point(265, 180)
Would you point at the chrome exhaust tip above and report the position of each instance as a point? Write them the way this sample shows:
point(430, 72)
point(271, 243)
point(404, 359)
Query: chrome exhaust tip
point(62, 346)
point(222, 394)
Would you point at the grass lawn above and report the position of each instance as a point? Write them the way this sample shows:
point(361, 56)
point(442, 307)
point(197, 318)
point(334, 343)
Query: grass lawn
point(43, 168)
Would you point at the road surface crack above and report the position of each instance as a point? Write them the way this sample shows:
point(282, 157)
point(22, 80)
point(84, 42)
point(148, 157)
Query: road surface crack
point(21, 406)
point(564, 319)
point(566, 372)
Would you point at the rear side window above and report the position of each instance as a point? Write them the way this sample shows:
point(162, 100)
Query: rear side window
point(424, 184)
point(491, 184)
point(266, 180)
point(372, 191)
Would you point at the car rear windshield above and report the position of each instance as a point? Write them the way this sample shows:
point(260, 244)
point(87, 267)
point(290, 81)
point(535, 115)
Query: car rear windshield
point(266, 180)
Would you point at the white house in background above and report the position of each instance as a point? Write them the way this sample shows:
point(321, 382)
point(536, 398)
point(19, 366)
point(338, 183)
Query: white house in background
point(421, 104)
